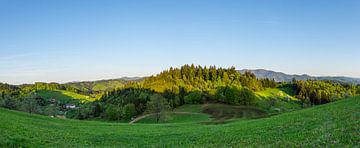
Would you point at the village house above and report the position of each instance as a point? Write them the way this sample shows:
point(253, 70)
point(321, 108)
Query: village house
point(70, 106)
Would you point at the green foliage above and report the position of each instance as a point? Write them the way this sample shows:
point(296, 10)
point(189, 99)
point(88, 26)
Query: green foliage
point(7, 101)
point(96, 109)
point(158, 106)
point(320, 92)
point(128, 111)
point(51, 110)
point(172, 98)
point(195, 97)
point(195, 84)
point(31, 104)
point(193, 78)
point(113, 112)
point(267, 83)
point(235, 95)
point(136, 96)
point(246, 97)
point(7, 89)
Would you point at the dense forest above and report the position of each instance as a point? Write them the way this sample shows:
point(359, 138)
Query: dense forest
point(320, 92)
point(189, 84)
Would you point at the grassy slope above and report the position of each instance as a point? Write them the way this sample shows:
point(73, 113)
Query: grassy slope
point(64, 95)
point(274, 92)
point(193, 108)
point(337, 124)
point(197, 117)
point(281, 95)
point(178, 118)
point(218, 113)
point(78, 96)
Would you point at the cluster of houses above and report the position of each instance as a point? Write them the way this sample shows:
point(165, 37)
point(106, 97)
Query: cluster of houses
point(65, 106)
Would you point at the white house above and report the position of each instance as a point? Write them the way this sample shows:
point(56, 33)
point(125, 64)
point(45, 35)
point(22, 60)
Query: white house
point(70, 106)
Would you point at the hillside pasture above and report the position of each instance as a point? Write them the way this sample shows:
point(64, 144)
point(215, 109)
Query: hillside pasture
point(64, 96)
point(335, 124)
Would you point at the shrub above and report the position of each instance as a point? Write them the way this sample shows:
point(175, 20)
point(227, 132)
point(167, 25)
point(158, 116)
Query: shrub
point(128, 111)
point(195, 97)
point(113, 112)
point(246, 97)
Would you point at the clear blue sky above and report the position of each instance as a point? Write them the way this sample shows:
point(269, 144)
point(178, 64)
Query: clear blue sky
point(71, 40)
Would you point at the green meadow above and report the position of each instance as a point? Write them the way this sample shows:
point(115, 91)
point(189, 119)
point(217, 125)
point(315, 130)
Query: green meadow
point(65, 96)
point(335, 124)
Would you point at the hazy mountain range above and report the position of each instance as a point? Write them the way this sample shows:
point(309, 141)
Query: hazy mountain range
point(282, 77)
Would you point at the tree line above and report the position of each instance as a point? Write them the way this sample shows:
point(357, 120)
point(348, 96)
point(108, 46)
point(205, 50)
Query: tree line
point(316, 92)
point(33, 104)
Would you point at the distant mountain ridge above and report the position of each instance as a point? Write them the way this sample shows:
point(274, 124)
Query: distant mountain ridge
point(282, 77)
point(104, 80)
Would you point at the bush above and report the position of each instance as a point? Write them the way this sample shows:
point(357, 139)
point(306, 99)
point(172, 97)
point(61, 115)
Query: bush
point(231, 95)
point(128, 111)
point(9, 102)
point(30, 105)
point(195, 97)
point(51, 110)
point(158, 106)
point(81, 113)
point(246, 97)
point(113, 112)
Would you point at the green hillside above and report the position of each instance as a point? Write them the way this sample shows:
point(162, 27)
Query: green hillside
point(335, 124)
point(207, 114)
point(281, 99)
point(99, 86)
point(178, 118)
point(65, 96)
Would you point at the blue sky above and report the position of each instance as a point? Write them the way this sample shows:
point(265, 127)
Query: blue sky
point(67, 40)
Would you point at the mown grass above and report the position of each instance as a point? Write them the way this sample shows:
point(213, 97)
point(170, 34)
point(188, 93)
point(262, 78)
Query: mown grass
point(208, 113)
point(336, 124)
point(223, 112)
point(177, 118)
point(193, 108)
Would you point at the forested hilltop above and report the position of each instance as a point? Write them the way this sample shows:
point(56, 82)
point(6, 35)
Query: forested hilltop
point(175, 87)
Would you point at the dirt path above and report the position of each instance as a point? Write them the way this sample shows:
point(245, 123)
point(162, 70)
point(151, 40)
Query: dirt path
point(147, 115)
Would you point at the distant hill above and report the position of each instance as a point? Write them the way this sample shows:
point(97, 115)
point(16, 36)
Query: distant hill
point(282, 77)
point(102, 85)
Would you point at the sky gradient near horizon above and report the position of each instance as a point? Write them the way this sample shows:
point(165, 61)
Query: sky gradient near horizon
point(65, 40)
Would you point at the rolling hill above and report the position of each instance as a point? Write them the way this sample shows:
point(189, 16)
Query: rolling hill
point(103, 85)
point(335, 124)
point(282, 77)
point(64, 96)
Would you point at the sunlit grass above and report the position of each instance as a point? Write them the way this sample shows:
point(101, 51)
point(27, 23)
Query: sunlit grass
point(336, 124)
